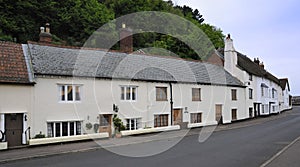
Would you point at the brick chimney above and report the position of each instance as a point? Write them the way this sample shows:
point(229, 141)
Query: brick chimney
point(126, 41)
point(45, 35)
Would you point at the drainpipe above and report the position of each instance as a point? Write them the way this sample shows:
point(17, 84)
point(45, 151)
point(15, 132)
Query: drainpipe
point(171, 102)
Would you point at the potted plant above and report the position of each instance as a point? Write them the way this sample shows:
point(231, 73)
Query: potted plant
point(118, 124)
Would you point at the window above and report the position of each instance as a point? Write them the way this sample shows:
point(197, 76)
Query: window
point(69, 93)
point(196, 94)
point(250, 93)
point(274, 92)
point(161, 94)
point(233, 94)
point(161, 120)
point(105, 119)
point(58, 129)
point(233, 114)
point(128, 93)
point(196, 117)
point(250, 77)
point(133, 123)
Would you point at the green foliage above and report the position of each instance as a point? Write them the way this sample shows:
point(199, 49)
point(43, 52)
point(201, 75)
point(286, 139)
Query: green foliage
point(40, 135)
point(118, 124)
point(72, 22)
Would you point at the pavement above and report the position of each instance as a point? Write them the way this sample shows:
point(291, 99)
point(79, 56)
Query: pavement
point(289, 156)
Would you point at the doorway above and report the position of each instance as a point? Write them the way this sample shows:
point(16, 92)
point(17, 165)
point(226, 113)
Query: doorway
point(105, 123)
point(14, 129)
point(218, 113)
point(177, 117)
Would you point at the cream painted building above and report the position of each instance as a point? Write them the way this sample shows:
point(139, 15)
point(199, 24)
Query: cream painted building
point(79, 91)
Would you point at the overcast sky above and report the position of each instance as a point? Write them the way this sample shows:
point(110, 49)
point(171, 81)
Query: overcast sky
point(268, 29)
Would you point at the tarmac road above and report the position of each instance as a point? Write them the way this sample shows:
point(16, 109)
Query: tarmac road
point(245, 146)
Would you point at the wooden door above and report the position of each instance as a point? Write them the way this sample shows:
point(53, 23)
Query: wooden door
point(177, 116)
point(105, 123)
point(14, 129)
point(219, 113)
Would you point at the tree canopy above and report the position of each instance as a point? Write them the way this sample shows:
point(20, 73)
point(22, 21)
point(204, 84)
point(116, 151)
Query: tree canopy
point(73, 21)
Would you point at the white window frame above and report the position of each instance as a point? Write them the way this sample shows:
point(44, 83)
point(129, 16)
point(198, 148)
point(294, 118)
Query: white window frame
point(60, 87)
point(136, 122)
point(123, 94)
point(77, 128)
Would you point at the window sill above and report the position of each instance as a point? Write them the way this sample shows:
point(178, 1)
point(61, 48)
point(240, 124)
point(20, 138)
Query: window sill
point(128, 101)
point(69, 102)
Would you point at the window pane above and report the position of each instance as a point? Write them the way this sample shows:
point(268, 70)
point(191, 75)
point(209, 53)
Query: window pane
point(78, 128)
point(127, 93)
point(77, 93)
point(122, 93)
point(62, 93)
point(57, 129)
point(71, 128)
point(233, 94)
point(65, 129)
point(70, 93)
point(50, 129)
point(196, 94)
point(161, 93)
point(133, 93)
point(104, 120)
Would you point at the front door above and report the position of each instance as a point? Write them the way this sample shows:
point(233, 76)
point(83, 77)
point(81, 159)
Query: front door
point(105, 123)
point(14, 129)
point(177, 116)
point(219, 113)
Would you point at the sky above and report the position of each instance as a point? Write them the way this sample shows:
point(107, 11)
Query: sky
point(268, 29)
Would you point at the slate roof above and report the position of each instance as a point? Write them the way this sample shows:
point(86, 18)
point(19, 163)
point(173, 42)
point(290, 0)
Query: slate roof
point(248, 65)
point(49, 60)
point(283, 83)
point(13, 68)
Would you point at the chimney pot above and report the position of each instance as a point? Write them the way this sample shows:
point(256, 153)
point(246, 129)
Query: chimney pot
point(228, 36)
point(45, 36)
point(47, 27)
point(42, 29)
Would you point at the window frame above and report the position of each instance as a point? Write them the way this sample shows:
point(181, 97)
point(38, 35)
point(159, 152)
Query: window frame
point(250, 77)
point(165, 93)
point(57, 129)
point(161, 120)
point(250, 93)
point(234, 94)
point(195, 118)
point(234, 116)
point(76, 93)
point(136, 122)
point(195, 98)
point(132, 94)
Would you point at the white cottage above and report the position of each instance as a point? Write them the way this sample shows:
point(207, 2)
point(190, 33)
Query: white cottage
point(263, 90)
point(78, 91)
point(16, 95)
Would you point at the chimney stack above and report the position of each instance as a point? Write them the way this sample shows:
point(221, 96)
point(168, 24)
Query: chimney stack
point(45, 36)
point(256, 61)
point(126, 41)
point(262, 65)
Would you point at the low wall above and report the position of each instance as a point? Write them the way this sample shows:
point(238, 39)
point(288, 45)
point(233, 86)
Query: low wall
point(150, 130)
point(3, 145)
point(51, 140)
